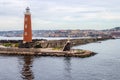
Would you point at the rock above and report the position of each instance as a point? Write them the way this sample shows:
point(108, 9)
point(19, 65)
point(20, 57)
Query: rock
point(67, 46)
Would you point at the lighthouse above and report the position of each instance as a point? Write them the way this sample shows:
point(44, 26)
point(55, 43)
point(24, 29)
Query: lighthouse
point(27, 35)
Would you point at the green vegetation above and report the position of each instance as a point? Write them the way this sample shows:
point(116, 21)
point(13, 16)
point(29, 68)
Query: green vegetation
point(11, 44)
point(80, 51)
point(16, 45)
point(57, 48)
point(7, 44)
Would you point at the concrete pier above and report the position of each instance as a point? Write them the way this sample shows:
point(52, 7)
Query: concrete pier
point(45, 52)
point(47, 48)
point(42, 43)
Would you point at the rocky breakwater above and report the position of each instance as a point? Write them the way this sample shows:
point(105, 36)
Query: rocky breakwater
point(46, 52)
point(47, 47)
point(71, 53)
point(42, 43)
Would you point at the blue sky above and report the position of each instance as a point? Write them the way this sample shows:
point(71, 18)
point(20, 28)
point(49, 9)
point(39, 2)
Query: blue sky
point(60, 14)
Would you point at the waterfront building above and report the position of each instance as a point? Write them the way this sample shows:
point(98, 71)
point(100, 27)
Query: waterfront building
point(27, 36)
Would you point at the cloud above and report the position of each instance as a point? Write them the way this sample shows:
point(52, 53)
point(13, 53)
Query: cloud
point(60, 14)
point(11, 23)
point(74, 9)
point(109, 16)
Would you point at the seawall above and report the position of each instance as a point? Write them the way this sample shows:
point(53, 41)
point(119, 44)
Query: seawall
point(46, 52)
point(42, 43)
point(46, 48)
point(61, 43)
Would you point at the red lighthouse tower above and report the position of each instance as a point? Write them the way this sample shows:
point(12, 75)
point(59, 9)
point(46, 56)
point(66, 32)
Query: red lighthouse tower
point(27, 27)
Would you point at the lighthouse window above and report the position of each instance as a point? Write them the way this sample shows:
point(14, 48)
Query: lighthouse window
point(25, 33)
point(26, 26)
point(25, 19)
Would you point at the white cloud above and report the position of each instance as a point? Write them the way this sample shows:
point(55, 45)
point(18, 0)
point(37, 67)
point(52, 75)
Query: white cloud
point(109, 16)
point(70, 9)
point(11, 23)
point(55, 14)
point(68, 18)
point(41, 21)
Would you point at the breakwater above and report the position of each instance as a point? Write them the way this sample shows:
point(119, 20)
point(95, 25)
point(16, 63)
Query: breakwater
point(46, 52)
point(46, 47)
point(42, 43)
point(61, 43)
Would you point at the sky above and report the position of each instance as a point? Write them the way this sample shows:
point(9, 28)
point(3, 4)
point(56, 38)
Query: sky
point(60, 14)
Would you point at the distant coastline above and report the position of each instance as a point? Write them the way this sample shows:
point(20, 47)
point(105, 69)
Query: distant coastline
point(115, 32)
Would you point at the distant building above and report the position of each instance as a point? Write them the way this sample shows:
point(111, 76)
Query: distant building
point(115, 34)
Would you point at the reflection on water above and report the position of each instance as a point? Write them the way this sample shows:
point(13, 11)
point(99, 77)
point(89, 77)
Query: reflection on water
point(26, 72)
point(67, 67)
point(103, 66)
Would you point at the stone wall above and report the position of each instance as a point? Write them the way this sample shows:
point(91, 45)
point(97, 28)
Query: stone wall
point(41, 43)
point(18, 50)
point(61, 43)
